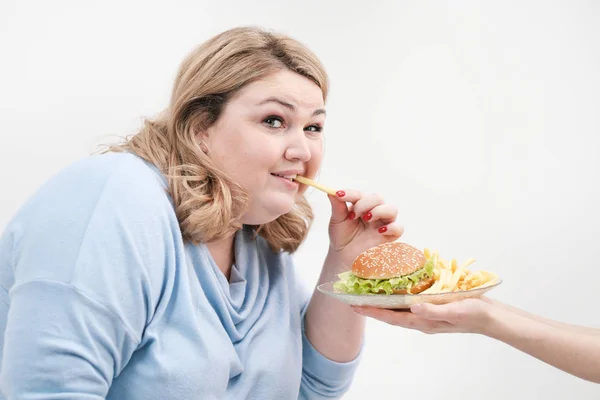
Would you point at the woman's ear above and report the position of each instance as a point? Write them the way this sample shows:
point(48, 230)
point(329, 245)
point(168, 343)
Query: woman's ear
point(203, 147)
point(202, 137)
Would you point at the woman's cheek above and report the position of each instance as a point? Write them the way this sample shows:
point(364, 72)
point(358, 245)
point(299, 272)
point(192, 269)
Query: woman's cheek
point(316, 158)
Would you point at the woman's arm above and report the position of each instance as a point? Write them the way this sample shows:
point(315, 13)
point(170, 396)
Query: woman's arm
point(331, 341)
point(557, 324)
point(576, 351)
point(61, 343)
point(87, 272)
point(332, 327)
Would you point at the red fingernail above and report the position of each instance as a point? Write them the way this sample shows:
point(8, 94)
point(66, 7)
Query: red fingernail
point(383, 229)
point(351, 215)
point(340, 193)
point(367, 216)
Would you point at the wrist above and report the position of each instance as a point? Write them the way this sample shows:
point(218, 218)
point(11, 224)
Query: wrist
point(335, 262)
point(493, 321)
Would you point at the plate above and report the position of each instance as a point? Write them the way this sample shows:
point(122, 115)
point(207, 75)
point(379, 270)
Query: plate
point(403, 301)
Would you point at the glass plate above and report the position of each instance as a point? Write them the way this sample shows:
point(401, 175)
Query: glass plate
point(402, 301)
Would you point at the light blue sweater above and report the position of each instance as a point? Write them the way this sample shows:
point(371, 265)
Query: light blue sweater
point(101, 298)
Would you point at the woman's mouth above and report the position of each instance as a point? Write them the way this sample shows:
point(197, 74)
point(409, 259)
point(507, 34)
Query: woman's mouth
point(287, 180)
point(288, 177)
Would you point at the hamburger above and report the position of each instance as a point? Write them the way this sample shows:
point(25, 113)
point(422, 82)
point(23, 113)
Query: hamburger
point(389, 268)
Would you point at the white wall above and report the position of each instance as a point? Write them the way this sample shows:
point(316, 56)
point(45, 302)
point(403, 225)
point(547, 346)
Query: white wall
point(480, 121)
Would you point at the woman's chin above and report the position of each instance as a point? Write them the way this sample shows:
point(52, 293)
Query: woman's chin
point(277, 212)
point(268, 213)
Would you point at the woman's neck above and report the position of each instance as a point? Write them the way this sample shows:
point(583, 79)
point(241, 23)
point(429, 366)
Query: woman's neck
point(223, 254)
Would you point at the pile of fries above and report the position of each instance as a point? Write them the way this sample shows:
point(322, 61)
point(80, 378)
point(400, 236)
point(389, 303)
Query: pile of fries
point(451, 277)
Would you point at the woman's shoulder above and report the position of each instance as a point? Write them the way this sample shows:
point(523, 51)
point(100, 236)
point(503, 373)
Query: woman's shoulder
point(106, 195)
point(116, 178)
point(103, 228)
point(124, 172)
point(103, 204)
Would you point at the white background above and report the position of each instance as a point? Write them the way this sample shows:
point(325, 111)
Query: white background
point(481, 122)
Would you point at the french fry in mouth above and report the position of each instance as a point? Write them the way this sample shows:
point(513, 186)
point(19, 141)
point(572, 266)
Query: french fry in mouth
point(314, 184)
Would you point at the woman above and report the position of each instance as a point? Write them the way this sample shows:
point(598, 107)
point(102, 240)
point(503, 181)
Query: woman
point(571, 348)
point(162, 268)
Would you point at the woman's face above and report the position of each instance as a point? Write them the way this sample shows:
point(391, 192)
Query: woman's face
point(270, 129)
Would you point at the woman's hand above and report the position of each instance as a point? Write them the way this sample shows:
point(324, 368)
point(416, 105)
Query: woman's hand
point(332, 327)
point(465, 316)
point(367, 222)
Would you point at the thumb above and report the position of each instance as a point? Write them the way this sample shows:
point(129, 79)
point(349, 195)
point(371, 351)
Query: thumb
point(435, 312)
point(339, 210)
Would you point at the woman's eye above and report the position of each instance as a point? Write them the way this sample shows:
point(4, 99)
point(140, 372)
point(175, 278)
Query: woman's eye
point(273, 122)
point(314, 128)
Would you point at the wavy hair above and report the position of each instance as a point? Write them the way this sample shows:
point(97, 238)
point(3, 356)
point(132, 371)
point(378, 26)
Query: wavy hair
point(209, 204)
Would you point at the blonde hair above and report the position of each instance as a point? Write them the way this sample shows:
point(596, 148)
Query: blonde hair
point(208, 204)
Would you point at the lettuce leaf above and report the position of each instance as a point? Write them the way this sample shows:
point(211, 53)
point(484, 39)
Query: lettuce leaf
point(352, 284)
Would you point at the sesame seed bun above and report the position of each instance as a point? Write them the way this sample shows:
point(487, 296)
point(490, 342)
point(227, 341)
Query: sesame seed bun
point(389, 260)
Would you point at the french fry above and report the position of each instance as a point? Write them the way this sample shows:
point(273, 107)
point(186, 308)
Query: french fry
point(314, 184)
point(427, 253)
point(452, 277)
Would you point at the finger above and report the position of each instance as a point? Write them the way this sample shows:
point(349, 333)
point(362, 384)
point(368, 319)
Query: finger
point(391, 231)
point(404, 319)
point(339, 210)
point(391, 317)
point(435, 312)
point(386, 213)
point(349, 195)
point(363, 207)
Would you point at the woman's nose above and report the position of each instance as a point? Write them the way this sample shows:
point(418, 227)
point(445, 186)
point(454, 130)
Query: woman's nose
point(298, 149)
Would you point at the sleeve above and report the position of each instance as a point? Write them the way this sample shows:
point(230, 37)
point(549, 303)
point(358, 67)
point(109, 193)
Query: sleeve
point(322, 378)
point(88, 263)
point(61, 344)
